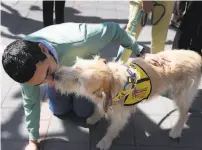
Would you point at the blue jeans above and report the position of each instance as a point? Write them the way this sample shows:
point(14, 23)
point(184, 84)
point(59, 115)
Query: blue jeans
point(62, 104)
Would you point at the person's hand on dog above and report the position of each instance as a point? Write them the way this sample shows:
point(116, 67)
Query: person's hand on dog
point(33, 145)
point(147, 6)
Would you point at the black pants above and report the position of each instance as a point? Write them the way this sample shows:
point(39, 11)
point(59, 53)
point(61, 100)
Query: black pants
point(179, 8)
point(48, 12)
point(189, 34)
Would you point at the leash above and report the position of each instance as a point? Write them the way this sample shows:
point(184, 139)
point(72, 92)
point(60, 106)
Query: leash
point(145, 15)
point(125, 53)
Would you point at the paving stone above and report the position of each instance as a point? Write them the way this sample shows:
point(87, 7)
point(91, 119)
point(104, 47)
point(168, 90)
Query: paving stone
point(13, 144)
point(69, 3)
point(107, 5)
point(195, 110)
point(13, 124)
point(6, 85)
point(148, 132)
point(13, 98)
point(119, 147)
point(107, 15)
point(32, 23)
point(192, 130)
point(122, 6)
point(126, 136)
point(164, 148)
point(68, 130)
point(61, 144)
point(153, 106)
point(10, 19)
point(46, 113)
point(10, 3)
point(24, 7)
point(81, 15)
point(10, 116)
point(43, 130)
point(85, 4)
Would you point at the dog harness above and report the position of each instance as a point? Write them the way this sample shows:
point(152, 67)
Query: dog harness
point(137, 88)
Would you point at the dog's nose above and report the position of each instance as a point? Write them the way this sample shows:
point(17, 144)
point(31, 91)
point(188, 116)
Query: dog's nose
point(56, 76)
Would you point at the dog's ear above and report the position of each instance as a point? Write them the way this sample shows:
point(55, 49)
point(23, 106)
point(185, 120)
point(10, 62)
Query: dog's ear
point(106, 98)
point(107, 101)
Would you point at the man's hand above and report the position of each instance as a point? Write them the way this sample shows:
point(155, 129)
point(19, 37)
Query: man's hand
point(32, 145)
point(52, 85)
point(147, 6)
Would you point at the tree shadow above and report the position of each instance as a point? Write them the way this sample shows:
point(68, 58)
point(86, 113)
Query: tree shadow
point(151, 134)
point(74, 136)
point(16, 23)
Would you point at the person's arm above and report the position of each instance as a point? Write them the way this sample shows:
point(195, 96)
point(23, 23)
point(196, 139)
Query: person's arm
point(116, 33)
point(98, 36)
point(31, 103)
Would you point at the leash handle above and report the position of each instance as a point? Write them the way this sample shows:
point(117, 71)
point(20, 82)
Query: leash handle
point(124, 53)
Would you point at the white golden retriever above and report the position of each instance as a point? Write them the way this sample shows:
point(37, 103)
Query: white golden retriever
point(178, 71)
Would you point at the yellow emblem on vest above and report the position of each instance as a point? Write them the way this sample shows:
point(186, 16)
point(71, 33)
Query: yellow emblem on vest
point(137, 88)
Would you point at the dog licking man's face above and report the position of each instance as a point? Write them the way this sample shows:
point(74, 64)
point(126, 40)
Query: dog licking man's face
point(89, 78)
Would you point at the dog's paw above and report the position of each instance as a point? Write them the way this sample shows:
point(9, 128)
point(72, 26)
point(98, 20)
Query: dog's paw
point(91, 121)
point(104, 144)
point(175, 133)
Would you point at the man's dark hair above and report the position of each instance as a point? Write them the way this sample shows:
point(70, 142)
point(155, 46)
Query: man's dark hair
point(20, 58)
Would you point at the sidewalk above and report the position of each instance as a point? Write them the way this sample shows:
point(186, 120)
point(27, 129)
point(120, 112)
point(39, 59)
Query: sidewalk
point(147, 130)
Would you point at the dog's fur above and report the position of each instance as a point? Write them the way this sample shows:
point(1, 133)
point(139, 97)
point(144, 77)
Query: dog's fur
point(178, 71)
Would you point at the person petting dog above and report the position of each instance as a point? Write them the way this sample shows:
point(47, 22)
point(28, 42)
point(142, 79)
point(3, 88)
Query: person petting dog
point(33, 60)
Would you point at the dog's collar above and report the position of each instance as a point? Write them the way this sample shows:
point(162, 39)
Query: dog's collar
point(137, 87)
point(132, 76)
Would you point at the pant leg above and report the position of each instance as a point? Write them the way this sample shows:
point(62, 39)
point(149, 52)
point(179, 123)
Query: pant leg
point(59, 11)
point(160, 31)
point(178, 11)
point(133, 12)
point(48, 13)
point(196, 43)
point(82, 107)
point(188, 26)
point(59, 104)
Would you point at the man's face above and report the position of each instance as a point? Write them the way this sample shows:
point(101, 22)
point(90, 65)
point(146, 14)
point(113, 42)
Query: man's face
point(44, 70)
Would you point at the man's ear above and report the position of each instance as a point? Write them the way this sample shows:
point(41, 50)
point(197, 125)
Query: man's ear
point(103, 60)
point(77, 58)
point(43, 48)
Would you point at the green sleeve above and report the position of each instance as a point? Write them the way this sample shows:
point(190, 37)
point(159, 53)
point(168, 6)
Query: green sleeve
point(31, 103)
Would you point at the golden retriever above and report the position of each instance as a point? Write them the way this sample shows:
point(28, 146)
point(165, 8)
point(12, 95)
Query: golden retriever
point(178, 71)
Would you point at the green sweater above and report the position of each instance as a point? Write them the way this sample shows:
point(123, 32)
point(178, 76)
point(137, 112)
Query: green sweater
point(70, 40)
